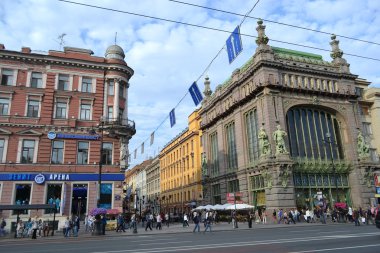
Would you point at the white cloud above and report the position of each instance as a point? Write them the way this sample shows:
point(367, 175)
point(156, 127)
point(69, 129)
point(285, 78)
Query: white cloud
point(168, 57)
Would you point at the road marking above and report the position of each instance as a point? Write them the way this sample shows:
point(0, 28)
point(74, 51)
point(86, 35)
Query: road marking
point(153, 243)
point(332, 249)
point(303, 231)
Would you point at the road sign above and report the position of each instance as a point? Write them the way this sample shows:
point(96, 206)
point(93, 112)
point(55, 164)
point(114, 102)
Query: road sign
point(234, 45)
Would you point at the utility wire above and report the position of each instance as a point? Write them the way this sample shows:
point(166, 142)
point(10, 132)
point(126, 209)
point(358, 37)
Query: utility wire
point(211, 28)
point(275, 22)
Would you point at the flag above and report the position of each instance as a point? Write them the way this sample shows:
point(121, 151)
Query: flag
point(172, 118)
point(151, 139)
point(142, 148)
point(234, 45)
point(129, 191)
point(135, 153)
point(195, 93)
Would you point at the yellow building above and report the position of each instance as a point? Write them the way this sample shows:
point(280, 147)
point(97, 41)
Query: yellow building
point(180, 169)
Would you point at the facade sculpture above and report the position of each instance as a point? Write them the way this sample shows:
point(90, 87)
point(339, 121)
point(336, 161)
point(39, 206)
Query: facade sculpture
point(279, 140)
point(264, 142)
point(363, 147)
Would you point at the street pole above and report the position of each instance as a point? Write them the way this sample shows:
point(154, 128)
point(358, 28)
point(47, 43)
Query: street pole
point(135, 221)
point(328, 136)
point(100, 162)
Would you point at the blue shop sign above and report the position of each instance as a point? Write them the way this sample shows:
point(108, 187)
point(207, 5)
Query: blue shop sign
point(41, 178)
point(52, 135)
point(377, 190)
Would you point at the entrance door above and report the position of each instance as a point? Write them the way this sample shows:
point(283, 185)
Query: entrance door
point(79, 200)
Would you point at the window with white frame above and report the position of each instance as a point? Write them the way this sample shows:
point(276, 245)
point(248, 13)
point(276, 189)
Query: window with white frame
point(7, 77)
point(121, 90)
point(2, 150)
point(33, 108)
point(36, 80)
point(61, 109)
point(57, 152)
point(4, 106)
point(63, 82)
point(107, 153)
point(22, 196)
point(28, 151)
point(110, 113)
point(111, 88)
point(85, 110)
point(82, 154)
point(86, 84)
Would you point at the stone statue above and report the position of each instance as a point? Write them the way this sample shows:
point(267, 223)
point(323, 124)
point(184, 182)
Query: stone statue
point(278, 137)
point(284, 177)
point(268, 179)
point(204, 165)
point(363, 147)
point(263, 142)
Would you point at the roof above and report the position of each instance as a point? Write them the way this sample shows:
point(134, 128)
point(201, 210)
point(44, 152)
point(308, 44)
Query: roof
point(299, 56)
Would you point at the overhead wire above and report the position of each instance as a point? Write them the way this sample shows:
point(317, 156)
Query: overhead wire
point(275, 22)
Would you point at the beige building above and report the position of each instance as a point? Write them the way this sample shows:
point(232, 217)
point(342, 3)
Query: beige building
point(180, 170)
point(153, 185)
point(285, 131)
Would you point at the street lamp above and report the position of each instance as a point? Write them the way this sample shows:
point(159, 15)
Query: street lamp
point(135, 206)
point(330, 142)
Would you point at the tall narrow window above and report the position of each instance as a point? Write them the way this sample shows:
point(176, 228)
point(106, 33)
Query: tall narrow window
point(110, 113)
point(36, 80)
point(231, 146)
point(85, 112)
point(7, 77)
point(82, 154)
point(63, 82)
point(216, 195)
point(252, 135)
point(111, 88)
point(22, 196)
point(107, 153)
point(214, 164)
point(4, 106)
point(2, 143)
point(86, 84)
point(27, 151)
point(57, 152)
point(33, 108)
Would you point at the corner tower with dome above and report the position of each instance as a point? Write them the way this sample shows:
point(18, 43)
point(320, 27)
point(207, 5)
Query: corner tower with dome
point(64, 128)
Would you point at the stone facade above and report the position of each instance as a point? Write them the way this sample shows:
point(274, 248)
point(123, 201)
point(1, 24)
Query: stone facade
point(307, 98)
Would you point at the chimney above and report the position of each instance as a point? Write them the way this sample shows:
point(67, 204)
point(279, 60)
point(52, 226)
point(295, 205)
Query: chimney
point(26, 50)
point(2, 47)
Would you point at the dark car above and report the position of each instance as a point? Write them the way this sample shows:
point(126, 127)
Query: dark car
point(377, 220)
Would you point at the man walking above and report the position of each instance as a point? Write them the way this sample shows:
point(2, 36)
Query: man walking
point(120, 223)
point(148, 222)
point(196, 222)
point(185, 220)
point(208, 224)
point(159, 222)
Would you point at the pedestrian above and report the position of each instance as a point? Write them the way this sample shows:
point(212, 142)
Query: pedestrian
point(34, 228)
point(196, 222)
point(280, 216)
point(369, 216)
point(291, 217)
point(208, 224)
point(355, 217)
point(274, 216)
point(104, 224)
point(148, 222)
point(20, 228)
point(2, 227)
point(46, 228)
point(86, 223)
point(185, 220)
point(234, 219)
point(250, 218)
point(264, 214)
point(67, 227)
point(167, 219)
point(76, 226)
point(159, 222)
point(120, 223)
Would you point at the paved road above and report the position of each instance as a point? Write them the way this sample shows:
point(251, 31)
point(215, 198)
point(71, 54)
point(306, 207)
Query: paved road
point(277, 238)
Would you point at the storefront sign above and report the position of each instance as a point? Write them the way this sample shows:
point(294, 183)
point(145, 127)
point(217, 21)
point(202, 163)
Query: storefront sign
point(19, 177)
point(60, 177)
point(39, 179)
point(52, 135)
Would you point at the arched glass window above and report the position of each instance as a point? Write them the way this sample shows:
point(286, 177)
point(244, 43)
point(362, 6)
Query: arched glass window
point(307, 129)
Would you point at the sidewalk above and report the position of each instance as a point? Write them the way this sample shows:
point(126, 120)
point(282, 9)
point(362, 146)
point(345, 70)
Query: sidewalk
point(174, 228)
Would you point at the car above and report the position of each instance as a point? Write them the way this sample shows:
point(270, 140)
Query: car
point(377, 220)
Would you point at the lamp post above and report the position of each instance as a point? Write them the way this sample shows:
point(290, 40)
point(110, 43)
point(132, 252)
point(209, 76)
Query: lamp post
point(135, 206)
point(330, 142)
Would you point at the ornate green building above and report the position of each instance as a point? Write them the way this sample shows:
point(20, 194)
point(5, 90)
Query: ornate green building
point(285, 130)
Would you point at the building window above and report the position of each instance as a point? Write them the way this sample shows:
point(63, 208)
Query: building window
point(105, 196)
point(233, 186)
point(86, 84)
point(33, 108)
point(63, 82)
point(121, 90)
point(7, 77)
point(22, 196)
point(214, 164)
point(2, 149)
point(111, 88)
point(307, 128)
point(36, 80)
point(82, 154)
point(85, 112)
point(216, 196)
point(53, 197)
point(359, 92)
point(252, 135)
point(372, 152)
point(57, 152)
point(110, 112)
point(27, 151)
point(367, 130)
point(61, 110)
point(4, 106)
point(231, 147)
point(107, 153)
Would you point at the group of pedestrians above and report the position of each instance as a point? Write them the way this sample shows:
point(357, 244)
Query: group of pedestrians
point(32, 228)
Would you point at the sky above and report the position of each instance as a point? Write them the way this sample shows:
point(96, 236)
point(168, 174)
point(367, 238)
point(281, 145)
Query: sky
point(167, 57)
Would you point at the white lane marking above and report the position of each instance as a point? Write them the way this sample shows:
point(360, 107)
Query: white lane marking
point(333, 249)
point(237, 244)
point(303, 231)
point(153, 243)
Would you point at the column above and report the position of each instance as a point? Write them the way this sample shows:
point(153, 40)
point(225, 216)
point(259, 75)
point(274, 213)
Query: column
point(105, 99)
point(116, 99)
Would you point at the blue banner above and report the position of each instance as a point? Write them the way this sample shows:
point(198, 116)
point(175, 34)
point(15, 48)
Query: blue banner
point(51, 177)
point(234, 45)
point(172, 118)
point(195, 93)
